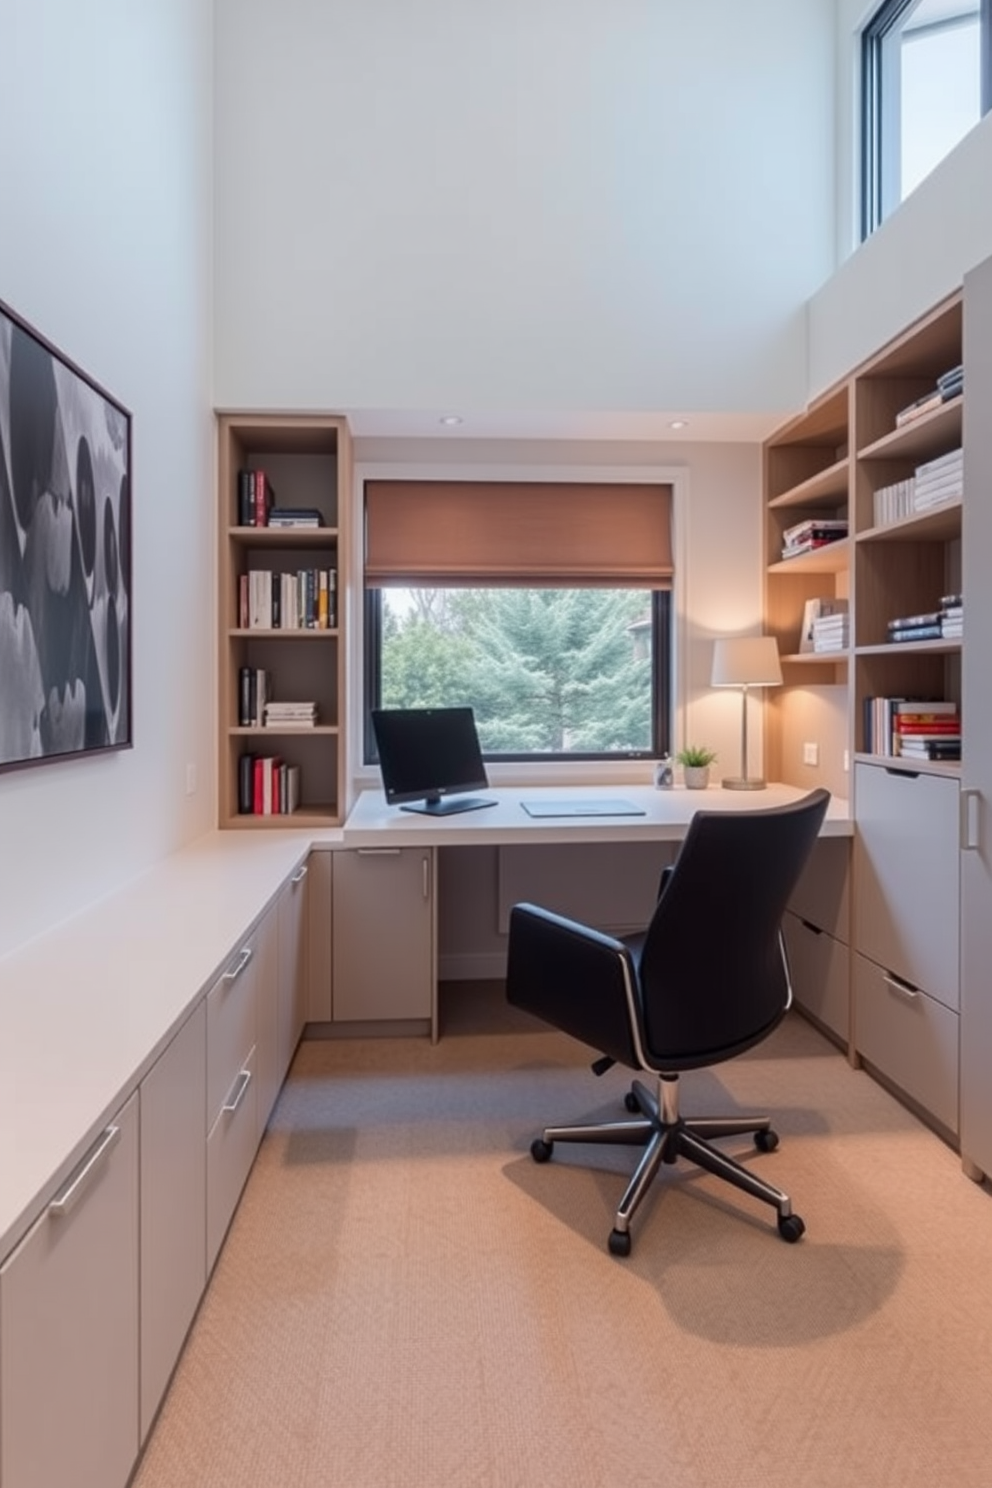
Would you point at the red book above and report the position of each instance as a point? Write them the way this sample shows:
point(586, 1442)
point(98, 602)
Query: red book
point(257, 787)
point(943, 725)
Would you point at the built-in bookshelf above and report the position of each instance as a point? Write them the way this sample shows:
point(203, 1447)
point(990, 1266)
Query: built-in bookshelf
point(281, 641)
point(882, 451)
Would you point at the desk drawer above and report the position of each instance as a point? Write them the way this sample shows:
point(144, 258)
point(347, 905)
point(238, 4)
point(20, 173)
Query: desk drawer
point(910, 1038)
point(231, 1018)
point(820, 974)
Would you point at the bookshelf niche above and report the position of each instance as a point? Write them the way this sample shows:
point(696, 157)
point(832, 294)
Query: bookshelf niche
point(283, 484)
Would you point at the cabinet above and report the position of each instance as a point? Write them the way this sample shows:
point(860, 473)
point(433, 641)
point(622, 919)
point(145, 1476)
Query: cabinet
point(232, 1110)
point(292, 914)
point(320, 932)
point(306, 461)
point(173, 1100)
point(383, 948)
point(817, 936)
point(69, 1307)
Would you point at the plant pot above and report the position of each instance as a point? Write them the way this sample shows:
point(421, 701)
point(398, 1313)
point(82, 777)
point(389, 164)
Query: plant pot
point(697, 777)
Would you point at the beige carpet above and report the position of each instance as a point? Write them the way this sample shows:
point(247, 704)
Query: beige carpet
point(405, 1298)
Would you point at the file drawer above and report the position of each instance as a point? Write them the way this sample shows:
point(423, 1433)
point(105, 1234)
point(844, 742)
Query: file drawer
point(820, 974)
point(231, 1148)
point(909, 1037)
point(231, 1017)
point(822, 895)
point(907, 873)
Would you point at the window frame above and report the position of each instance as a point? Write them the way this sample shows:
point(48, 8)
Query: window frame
point(880, 192)
point(662, 688)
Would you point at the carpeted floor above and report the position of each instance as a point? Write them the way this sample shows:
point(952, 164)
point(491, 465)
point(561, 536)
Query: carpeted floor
point(406, 1300)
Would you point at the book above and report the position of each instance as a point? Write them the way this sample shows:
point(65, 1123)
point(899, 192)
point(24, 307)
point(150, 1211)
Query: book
point(919, 407)
point(295, 516)
point(913, 622)
point(246, 776)
point(916, 633)
point(814, 527)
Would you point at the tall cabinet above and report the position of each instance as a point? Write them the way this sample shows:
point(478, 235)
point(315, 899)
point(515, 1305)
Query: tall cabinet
point(306, 461)
point(872, 453)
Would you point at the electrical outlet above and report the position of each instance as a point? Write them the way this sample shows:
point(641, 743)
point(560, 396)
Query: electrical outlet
point(191, 780)
point(811, 754)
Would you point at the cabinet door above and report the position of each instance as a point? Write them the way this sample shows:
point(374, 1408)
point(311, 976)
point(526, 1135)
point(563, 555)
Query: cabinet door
point(383, 934)
point(319, 935)
point(231, 1148)
point(907, 868)
point(265, 942)
point(69, 1327)
point(292, 911)
point(173, 1205)
point(820, 974)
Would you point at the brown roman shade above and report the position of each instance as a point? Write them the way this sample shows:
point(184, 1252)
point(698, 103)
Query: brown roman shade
point(443, 534)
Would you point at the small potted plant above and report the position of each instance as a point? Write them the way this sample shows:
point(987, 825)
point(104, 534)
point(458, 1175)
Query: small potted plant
point(695, 760)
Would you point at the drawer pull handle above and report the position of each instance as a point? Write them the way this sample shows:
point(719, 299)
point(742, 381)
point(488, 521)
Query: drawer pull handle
point(970, 819)
point(233, 972)
point(905, 989)
point(904, 774)
point(378, 852)
point(64, 1201)
point(237, 1092)
point(807, 925)
point(300, 875)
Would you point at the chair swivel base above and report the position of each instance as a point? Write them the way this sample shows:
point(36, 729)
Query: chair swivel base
point(665, 1136)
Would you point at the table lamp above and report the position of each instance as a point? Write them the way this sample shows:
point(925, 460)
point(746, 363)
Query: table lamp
point(745, 661)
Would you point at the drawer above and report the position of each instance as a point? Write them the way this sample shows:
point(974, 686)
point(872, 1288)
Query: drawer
point(822, 895)
point(231, 1018)
point(820, 974)
point(231, 1148)
point(907, 877)
point(909, 1037)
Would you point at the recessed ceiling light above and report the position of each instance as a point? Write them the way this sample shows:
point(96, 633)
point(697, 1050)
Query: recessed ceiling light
point(679, 424)
point(450, 419)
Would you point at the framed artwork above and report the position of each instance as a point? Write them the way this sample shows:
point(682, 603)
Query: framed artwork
point(65, 556)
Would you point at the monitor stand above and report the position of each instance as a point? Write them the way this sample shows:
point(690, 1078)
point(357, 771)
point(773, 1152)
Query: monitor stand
point(448, 805)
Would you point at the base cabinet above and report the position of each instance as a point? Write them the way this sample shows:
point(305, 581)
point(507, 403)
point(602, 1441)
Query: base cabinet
point(69, 1312)
point(173, 1098)
point(232, 1109)
point(382, 952)
point(292, 915)
point(820, 969)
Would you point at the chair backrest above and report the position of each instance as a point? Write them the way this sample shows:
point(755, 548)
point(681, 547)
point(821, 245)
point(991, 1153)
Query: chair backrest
point(712, 977)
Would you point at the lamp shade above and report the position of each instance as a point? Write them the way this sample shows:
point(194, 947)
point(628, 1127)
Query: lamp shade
point(746, 661)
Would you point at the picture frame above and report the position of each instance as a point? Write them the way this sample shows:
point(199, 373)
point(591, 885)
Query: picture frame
point(65, 556)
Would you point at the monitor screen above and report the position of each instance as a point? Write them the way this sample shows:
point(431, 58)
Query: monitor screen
point(427, 755)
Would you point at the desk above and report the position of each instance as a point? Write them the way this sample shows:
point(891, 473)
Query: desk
point(409, 952)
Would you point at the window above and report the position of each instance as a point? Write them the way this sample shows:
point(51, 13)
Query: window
point(926, 80)
point(546, 608)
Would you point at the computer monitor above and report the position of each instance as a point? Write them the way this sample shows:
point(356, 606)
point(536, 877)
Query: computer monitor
point(428, 756)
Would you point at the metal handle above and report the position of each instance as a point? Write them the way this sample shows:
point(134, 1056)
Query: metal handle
point(233, 972)
point(905, 989)
point(427, 876)
point(970, 820)
point(300, 875)
point(236, 1094)
point(378, 852)
point(64, 1201)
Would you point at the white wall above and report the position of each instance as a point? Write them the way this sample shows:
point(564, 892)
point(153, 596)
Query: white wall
point(556, 204)
point(920, 253)
point(105, 132)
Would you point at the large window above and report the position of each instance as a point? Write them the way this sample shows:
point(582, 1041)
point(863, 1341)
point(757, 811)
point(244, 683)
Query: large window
point(925, 82)
point(547, 609)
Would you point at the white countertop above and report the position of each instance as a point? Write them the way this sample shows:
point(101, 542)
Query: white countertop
point(372, 823)
point(86, 1008)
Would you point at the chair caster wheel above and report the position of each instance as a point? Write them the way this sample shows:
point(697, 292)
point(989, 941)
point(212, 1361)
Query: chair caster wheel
point(766, 1141)
point(540, 1150)
point(790, 1227)
point(619, 1242)
point(630, 1101)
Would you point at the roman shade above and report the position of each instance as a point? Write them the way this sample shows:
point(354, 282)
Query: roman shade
point(497, 533)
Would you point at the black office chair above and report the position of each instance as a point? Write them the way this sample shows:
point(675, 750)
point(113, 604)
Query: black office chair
point(705, 981)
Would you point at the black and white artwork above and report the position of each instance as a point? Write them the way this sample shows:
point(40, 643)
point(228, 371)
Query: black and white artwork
point(65, 579)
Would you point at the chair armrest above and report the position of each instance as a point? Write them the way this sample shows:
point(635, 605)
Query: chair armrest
point(573, 977)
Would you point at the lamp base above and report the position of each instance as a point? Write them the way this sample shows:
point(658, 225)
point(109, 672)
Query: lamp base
point(744, 784)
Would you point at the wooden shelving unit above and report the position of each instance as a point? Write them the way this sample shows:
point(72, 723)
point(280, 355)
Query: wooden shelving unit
point(307, 458)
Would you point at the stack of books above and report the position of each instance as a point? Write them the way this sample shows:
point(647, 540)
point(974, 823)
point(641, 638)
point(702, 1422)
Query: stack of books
point(893, 502)
point(923, 627)
point(290, 715)
point(304, 600)
point(815, 532)
point(939, 480)
point(927, 730)
point(295, 516)
point(267, 786)
point(255, 498)
point(952, 616)
point(253, 693)
point(948, 385)
point(830, 631)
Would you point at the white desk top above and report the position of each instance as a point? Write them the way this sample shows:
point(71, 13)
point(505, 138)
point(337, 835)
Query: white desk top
point(667, 814)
